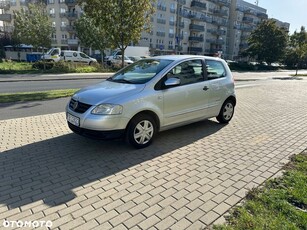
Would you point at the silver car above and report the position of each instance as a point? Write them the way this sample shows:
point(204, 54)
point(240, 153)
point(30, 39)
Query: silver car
point(152, 95)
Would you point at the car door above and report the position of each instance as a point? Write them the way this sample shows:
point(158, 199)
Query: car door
point(216, 81)
point(84, 58)
point(187, 101)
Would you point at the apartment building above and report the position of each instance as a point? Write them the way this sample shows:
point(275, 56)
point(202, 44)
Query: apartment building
point(210, 27)
point(189, 27)
point(63, 14)
point(244, 18)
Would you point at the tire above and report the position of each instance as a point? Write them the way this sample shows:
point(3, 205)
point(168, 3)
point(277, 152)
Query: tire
point(226, 112)
point(141, 131)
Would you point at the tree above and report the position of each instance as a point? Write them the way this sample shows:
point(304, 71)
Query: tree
point(298, 47)
point(32, 26)
point(267, 42)
point(122, 20)
point(91, 35)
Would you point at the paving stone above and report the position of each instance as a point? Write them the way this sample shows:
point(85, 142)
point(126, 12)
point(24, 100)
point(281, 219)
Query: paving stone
point(191, 175)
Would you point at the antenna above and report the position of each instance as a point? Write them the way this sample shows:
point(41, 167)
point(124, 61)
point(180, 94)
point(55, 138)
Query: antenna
point(257, 2)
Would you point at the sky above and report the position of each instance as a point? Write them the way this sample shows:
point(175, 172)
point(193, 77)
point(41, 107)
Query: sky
point(291, 11)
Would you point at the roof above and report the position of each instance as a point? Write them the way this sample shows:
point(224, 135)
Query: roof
point(182, 57)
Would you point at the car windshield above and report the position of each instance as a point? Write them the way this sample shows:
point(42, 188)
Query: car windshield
point(140, 72)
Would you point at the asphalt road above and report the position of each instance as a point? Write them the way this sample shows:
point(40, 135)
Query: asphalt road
point(33, 108)
point(34, 86)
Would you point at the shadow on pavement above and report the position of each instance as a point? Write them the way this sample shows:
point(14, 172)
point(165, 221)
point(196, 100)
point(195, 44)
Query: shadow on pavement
point(49, 170)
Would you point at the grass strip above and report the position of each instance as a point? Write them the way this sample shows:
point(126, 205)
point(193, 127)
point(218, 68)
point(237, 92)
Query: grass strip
point(299, 75)
point(280, 203)
point(36, 96)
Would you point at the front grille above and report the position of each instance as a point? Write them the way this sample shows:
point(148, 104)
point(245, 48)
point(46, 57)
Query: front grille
point(80, 108)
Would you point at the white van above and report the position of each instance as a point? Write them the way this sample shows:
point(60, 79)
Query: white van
point(52, 55)
point(76, 56)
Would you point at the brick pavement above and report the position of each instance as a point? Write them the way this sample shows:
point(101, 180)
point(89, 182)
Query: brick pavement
point(187, 179)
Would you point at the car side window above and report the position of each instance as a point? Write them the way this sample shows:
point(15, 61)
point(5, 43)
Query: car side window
point(188, 72)
point(83, 55)
point(215, 69)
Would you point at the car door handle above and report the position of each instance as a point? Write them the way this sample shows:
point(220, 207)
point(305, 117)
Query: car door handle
point(205, 88)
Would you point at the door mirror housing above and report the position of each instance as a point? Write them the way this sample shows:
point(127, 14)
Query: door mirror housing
point(171, 82)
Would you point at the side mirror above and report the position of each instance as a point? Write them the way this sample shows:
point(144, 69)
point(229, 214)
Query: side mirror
point(171, 82)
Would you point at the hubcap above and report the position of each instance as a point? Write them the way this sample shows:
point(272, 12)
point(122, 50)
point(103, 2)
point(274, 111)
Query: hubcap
point(228, 111)
point(143, 132)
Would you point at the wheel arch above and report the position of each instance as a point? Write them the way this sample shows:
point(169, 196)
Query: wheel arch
point(150, 113)
point(233, 99)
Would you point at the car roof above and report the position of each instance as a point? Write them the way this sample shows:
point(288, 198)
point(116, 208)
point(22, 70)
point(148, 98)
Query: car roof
point(183, 57)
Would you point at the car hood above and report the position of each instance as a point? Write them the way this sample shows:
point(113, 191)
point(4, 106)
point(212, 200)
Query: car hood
point(106, 92)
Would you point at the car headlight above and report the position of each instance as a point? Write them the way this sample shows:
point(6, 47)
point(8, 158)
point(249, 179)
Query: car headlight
point(107, 109)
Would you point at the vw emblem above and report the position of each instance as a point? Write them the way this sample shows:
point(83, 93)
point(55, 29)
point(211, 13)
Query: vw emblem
point(75, 105)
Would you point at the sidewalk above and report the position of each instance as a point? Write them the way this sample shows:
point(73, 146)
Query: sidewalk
point(238, 76)
point(187, 180)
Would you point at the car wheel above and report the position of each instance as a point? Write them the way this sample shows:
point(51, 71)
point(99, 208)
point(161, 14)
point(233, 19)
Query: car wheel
point(141, 131)
point(90, 63)
point(226, 112)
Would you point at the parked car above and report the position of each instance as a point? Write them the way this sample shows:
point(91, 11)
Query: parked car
point(152, 95)
point(135, 58)
point(77, 56)
point(116, 61)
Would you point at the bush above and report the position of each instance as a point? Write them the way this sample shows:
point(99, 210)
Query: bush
point(41, 65)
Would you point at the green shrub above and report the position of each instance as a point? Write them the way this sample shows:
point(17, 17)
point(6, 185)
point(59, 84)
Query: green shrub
point(41, 65)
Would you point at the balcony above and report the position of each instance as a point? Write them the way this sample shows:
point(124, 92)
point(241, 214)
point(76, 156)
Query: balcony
point(247, 28)
point(68, 28)
point(6, 17)
point(249, 12)
point(172, 10)
point(219, 32)
point(72, 41)
point(71, 15)
point(219, 22)
point(220, 12)
point(196, 39)
point(262, 15)
point(207, 19)
point(182, 2)
point(71, 2)
point(198, 28)
point(172, 23)
point(198, 4)
point(195, 49)
point(248, 20)
point(210, 40)
point(223, 2)
point(64, 41)
point(171, 35)
point(5, 5)
point(195, 17)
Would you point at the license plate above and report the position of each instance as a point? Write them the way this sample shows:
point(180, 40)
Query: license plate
point(73, 119)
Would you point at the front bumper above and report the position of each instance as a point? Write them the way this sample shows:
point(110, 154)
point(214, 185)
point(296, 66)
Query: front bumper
point(103, 135)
